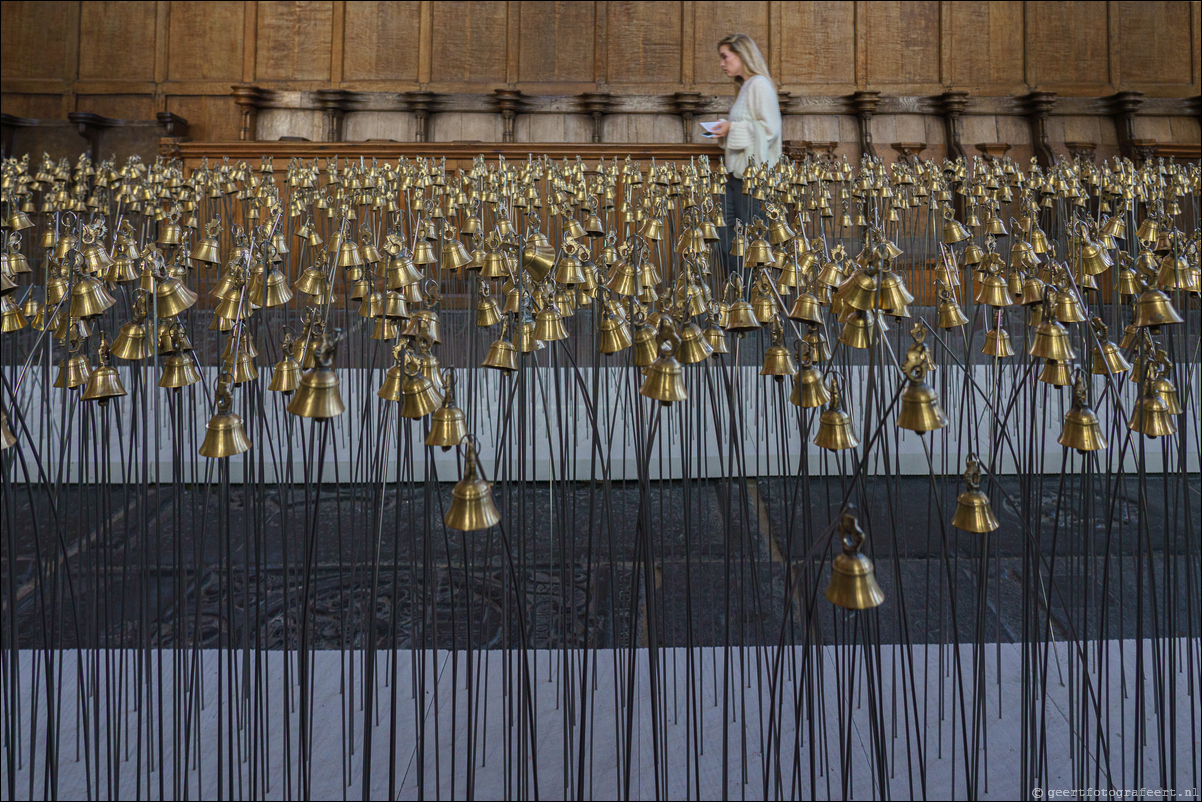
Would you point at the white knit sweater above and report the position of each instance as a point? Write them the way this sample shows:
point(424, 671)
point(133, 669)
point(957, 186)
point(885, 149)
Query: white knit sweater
point(754, 126)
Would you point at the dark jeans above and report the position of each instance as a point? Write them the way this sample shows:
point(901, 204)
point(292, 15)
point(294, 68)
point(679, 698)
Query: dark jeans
point(735, 206)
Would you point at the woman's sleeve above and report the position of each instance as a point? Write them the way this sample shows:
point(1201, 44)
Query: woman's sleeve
point(754, 134)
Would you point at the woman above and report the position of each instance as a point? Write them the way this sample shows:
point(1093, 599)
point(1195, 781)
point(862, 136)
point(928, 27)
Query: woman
point(753, 131)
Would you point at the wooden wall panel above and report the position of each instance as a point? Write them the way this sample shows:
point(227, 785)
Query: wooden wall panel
point(1067, 45)
point(469, 42)
point(644, 42)
point(214, 117)
point(205, 41)
point(818, 43)
point(713, 21)
point(986, 46)
point(120, 107)
point(29, 47)
point(902, 42)
point(555, 41)
point(118, 41)
point(1155, 42)
point(381, 41)
point(37, 107)
point(293, 41)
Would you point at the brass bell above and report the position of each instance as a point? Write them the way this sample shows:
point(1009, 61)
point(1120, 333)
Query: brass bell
point(857, 330)
point(806, 308)
point(1068, 307)
point(1166, 390)
point(950, 315)
point(994, 292)
point(1107, 358)
point(74, 370)
point(1148, 231)
point(471, 506)
point(778, 362)
point(419, 396)
point(809, 390)
point(272, 291)
point(488, 311)
point(225, 435)
point(716, 337)
point(920, 411)
point(286, 375)
point(835, 425)
point(694, 347)
point(613, 335)
point(1151, 416)
point(568, 270)
point(317, 396)
point(89, 297)
point(853, 584)
point(104, 383)
point(1082, 429)
point(173, 297)
point(7, 438)
point(1051, 341)
point(665, 376)
point(242, 366)
point(953, 230)
point(12, 317)
point(549, 326)
point(179, 371)
point(454, 254)
point(448, 424)
point(1153, 308)
point(502, 355)
point(997, 343)
point(208, 250)
point(973, 511)
point(350, 256)
point(646, 348)
point(1056, 373)
point(172, 232)
point(742, 318)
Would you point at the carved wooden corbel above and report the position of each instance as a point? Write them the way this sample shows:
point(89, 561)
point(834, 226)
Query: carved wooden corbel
point(334, 105)
point(509, 103)
point(951, 105)
point(251, 99)
point(1123, 106)
point(1038, 106)
point(596, 105)
point(688, 105)
point(865, 103)
point(421, 104)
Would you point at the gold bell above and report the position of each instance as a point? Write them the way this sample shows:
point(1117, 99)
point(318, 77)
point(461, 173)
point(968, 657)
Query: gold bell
point(225, 436)
point(778, 362)
point(488, 311)
point(693, 345)
point(1056, 373)
point(806, 308)
point(317, 396)
point(665, 376)
point(997, 343)
point(89, 297)
point(502, 355)
point(645, 346)
point(1051, 342)
point(1153, 308)
point(1082, 429)
point(12, 317)
point(742, 318)
point(1151, 416)
point(173, 297)
point(104, 383)
point(73, 371)
point(549, 326)
point(953, 230)
point(920, 411)
point(809, 390)
point(994, 292)
point(835, 426)
point(1107, 358)
point(419, 396)
point(448, 424)
point(286, 375)
point(614, 335)
point(973, 511)
point(179, 371)
point(857, 330)
point(853, 584)
point(716, 337)
point(471, 506)
point(950, 315)
point(1168, 393)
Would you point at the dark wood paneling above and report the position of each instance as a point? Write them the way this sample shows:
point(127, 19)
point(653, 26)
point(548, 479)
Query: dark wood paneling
point(293, 41)
point(118, 41)
point(555, 41)
point(29, 47)
point(214, 118)
point(717, 20)
point(37, 107)
point(469, 42)
point(1067, 45)
point(818, 43)
point(120, 107)
point(902, 42)
point(644, 42)
point(986, 42)
point(381, 41)
point(1154, 42)
point(205, 41)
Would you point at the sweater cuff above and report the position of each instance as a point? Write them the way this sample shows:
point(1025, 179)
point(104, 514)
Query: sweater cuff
point(740, 136)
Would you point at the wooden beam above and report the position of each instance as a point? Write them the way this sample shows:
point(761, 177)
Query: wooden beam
point(250, 27)
point(337, 41)
point(513, 40)
point(1114, 45)
point(601, 43)
point(861, 51)
point(688, 41)
point(425, 41)
point(71, 61)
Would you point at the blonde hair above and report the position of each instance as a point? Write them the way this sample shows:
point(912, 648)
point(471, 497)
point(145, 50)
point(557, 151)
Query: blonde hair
point(744, 47)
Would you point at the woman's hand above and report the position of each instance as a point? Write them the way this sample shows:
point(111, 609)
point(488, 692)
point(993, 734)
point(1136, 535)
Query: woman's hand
point(721, 128)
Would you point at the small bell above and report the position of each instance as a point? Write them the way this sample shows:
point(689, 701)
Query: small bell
point(835, 426)
point(920, 411)
point(74, 370)
point(778, 362)
point(104, 383)
point(857, 330)
point(613, 335)
point(1107, 358)
point(488, 311)
point(973, 512)
point(1051, 342)
point(646, 347)
point(549, 326)
point(286, 375)
point(173, 297)
point(1151, 416)
point(471, 506)
point(716, 337)
point(1082, 429)
point(317, 396)
point(502, 355)
point(950, 315)
point(419, 395)
point(665, 376)
point(448, 424)
point(853, 584)
point(809, 390)
point(1056, 373)
point(953, 230)
point(225, 435)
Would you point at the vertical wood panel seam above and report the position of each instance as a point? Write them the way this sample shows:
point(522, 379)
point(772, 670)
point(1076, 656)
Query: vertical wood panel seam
point(337, 41)
point(250, 39)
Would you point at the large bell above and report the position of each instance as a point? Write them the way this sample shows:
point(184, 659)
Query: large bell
point(835, 426)
point(549, 326)
point(693, 345)
point(665, 376)
point(73, 371)
point(471, 506)
point(1151, 417)
point(1153, 308)
point(973, 511)
point(179, 371)
point(419, 395)
point(104, 384)
point(1056, 373)
point(173, 297)
point(853, 584)
point(317, 396)
point(225, 435)
point(1082, 429)
point(994, 292)
point(613, 335)
point(89, 297)
point(1051, 342)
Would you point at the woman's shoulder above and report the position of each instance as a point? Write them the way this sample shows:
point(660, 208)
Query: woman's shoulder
point(759, 85)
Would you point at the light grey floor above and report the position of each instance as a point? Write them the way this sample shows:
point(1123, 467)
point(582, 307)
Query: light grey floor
point(916, 714)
